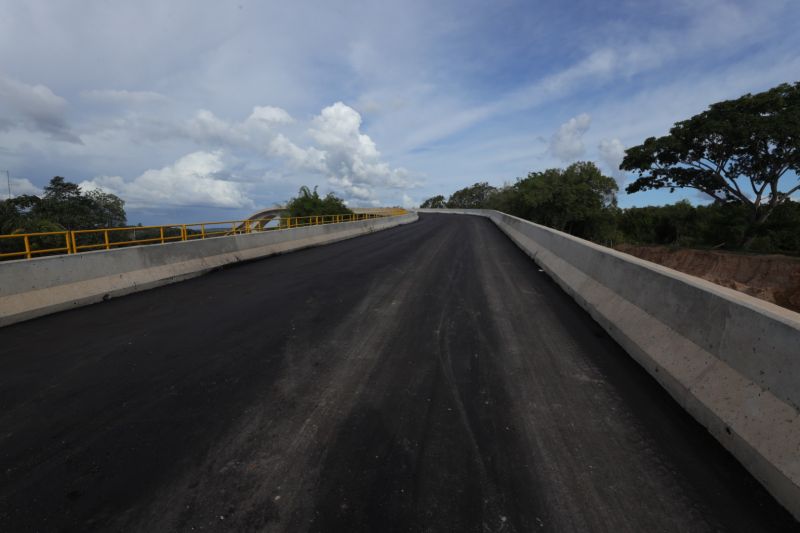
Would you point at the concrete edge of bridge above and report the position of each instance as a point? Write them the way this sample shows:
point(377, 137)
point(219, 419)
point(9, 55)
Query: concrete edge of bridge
point(41, 286)
point(729, 359)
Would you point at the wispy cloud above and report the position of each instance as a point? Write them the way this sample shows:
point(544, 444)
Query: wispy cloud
point(124, 97)
point(567, 142)
point(34, 107)
point(453, 91)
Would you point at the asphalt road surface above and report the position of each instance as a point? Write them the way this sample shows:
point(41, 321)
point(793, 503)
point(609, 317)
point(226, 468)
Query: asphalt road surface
point(423, 378)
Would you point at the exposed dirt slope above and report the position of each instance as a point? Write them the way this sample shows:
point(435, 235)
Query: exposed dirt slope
point(774, 278)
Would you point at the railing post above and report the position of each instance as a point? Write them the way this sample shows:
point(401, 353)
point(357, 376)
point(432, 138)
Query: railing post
point(105, 238)
point(69, 245)
point(161, 231)
point(203, 231)
point(27, 247)
point(183, 232)
point(74, 243)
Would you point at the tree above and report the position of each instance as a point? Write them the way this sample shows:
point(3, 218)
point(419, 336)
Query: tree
point(668, 224)
point(62, 206)
point(434, 202)
point(108, 209)
point(737, 151)
point(579, 200)
point(64, 203)
point(60, 190)
point(310, 203)
point(473, 197)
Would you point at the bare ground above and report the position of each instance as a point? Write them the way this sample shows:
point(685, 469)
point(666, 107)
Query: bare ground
point(774, 278)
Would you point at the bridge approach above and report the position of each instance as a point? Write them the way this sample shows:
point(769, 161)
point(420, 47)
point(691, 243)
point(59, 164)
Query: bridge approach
point(427, 377)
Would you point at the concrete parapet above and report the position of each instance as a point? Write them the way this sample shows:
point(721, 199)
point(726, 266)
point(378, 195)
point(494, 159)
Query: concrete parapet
point(729, 359)
point(36, 287)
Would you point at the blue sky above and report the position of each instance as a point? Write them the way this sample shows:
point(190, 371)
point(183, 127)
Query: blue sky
point(209, 110)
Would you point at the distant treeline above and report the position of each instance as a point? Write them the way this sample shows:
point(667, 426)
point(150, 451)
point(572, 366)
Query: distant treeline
point(581, 201)
point(63, 206)
point(742, 153)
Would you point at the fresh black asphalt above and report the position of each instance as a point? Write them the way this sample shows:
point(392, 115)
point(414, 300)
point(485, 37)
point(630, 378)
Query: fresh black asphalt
point(424, 378)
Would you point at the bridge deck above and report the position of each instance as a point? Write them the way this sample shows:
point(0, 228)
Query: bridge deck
point(427, 377)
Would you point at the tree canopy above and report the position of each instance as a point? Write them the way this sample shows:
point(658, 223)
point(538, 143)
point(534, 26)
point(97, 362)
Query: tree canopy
point(434, 202)
point(579, 200)
point(737, 151)
point(63, 206)
point(472, 197)
point(310, 203)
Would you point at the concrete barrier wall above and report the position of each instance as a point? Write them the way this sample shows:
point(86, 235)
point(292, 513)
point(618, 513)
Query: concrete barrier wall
point(36, 287)
point(731, 360)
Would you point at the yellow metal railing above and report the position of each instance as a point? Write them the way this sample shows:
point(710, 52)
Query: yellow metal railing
point(29, 245)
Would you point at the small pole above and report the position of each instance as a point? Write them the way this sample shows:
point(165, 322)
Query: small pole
point(8, 180)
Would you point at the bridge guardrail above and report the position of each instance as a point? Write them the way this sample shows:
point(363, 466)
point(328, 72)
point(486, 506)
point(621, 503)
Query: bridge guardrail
point(45, 285)
point(30, 245)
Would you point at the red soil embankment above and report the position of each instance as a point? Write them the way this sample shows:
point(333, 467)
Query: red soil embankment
point(774, 278)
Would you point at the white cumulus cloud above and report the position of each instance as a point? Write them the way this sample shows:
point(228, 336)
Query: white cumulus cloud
point(307, 158)
point(253, 133)
point(567, 143)
point(196, 179)
point(352, 161)
point(267, 115)
point(611, 154)
point(332, 147)
point(19, 186)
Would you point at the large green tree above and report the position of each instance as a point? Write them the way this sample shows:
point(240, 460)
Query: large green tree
point(434, 202)
point(578, 200)
point(62, 206)
point(473, 197)
point(309, 203)
point(744, 151)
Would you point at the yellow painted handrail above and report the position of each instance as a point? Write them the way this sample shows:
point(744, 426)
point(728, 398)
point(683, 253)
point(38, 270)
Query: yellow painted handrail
point(76, 241)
